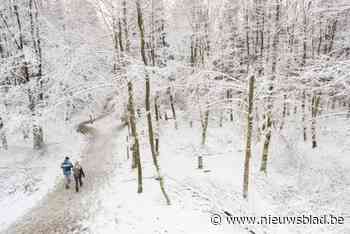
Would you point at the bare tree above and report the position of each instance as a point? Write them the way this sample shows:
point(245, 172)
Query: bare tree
point(148, 101)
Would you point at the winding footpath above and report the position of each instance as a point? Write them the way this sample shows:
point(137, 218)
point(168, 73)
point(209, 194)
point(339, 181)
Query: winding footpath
point(64, 211)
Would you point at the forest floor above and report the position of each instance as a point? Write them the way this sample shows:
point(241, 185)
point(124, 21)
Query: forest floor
point(63, 211)
point(300, 181)
point(27, 175)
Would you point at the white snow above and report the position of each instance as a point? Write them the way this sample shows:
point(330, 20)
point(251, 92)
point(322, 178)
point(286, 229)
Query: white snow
point(27, 175)
point(300, 181)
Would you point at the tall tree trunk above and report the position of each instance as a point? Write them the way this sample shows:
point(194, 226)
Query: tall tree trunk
point(148, 102)
point(157, 115)
point(135, 140)
point(269, 119)
point(142, 32)
point(149, 116)
point(248, 137)
point(38, 134)
point(305, 36)
point(117, 51)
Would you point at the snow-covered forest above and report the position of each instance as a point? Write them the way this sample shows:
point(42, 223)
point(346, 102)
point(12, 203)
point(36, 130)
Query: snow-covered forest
point(184, 115)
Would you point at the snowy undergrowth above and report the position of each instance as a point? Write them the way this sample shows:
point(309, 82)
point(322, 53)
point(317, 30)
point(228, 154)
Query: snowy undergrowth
point(27, 175)
point(300, 181)
point(306, 181)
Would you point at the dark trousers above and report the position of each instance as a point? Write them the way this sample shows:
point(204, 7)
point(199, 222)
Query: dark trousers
point(78, 182)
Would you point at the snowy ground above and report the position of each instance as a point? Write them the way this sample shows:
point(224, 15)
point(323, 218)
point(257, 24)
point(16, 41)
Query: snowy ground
point(26, 176)
point(300, 181)
point(64, 211)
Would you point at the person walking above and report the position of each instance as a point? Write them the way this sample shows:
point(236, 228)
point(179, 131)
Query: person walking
point(67, 171)
point(78, 173)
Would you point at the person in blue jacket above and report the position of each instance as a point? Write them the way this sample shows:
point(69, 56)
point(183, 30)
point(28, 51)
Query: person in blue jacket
point(67, 166)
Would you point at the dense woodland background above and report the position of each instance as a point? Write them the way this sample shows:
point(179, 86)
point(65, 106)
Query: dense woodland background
point(263, 65)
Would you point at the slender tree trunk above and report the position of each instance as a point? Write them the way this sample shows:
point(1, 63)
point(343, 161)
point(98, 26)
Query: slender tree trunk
point(149, 117)
point(151, 141)
point(257, 121)
point(125, 25)
point(117, 49)
point(205, 127)
point(269, 119)
point(135, 140)
point(284, 112)
point(120, 36)
point(204, 122)
point(267, 140)
point(134, 152)
point(303, 118)
point(157, 115)
point(148, 103)
point(142, 32)
point(128, 145)
point(248, 137)
point(315, 108)
point(305, 36)
point(332, 35)
point(320, 39)
point(172, 105)
point(38, 134)
point(229, 98)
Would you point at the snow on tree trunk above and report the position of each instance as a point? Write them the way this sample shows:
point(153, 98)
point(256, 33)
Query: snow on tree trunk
point(148, 102)
point(266, 146)
point(269, 119)
point(249, 129)
point(204, 123)
point(284, 111)
point(135, 140)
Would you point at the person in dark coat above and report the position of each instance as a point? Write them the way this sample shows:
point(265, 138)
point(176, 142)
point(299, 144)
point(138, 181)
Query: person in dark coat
point(78, 173)
point(67, 171)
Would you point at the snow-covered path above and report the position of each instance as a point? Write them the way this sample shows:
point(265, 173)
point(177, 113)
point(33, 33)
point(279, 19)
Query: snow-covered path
point(63, 211)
